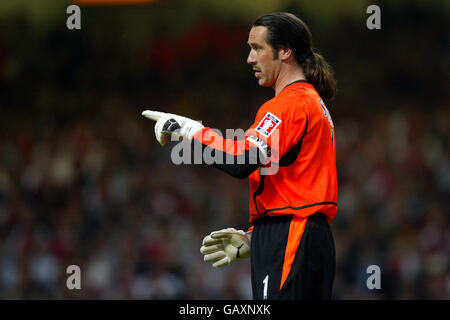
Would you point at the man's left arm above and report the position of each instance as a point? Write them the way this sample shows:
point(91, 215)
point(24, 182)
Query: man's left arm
point(237, 158)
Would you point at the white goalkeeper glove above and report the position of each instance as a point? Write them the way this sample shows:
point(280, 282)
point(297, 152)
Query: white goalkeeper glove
point(171, 124)
point(226, 246)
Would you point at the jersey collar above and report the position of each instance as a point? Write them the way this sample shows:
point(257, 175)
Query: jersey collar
point(297, 81)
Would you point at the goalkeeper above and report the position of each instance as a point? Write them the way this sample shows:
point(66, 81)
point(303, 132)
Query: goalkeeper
point(289, 157)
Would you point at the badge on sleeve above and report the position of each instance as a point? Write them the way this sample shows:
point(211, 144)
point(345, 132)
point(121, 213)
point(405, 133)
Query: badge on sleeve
point(268, 124)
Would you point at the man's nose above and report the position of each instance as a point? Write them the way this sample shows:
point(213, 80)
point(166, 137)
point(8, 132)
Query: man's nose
point(251, 59)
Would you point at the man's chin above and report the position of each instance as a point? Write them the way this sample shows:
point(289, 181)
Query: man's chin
point(263, 83)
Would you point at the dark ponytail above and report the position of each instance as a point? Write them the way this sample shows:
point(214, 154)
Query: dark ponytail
point(289, 31)
point(319, 73)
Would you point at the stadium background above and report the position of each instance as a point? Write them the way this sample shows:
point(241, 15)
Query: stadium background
point(83, 180)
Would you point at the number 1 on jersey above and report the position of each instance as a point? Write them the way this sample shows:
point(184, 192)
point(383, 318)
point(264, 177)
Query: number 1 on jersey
point(266, 284)
point(328, 116)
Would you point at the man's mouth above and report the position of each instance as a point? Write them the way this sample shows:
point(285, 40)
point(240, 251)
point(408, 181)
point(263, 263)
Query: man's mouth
point(257, 73)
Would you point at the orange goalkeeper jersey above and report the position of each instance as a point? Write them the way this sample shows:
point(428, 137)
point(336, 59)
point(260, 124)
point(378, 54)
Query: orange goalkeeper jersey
point(295, 171)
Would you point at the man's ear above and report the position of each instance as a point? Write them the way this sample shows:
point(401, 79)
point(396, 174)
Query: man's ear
point(285, 53)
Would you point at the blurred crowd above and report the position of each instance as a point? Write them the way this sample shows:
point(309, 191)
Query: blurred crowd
point(84, 182)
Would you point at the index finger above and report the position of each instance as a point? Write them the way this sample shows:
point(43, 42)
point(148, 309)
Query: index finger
point(154, 115)
point(221, 235)
point(208, 241)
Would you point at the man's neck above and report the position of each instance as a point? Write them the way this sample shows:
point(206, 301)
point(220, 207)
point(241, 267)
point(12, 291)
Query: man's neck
point(287, 76)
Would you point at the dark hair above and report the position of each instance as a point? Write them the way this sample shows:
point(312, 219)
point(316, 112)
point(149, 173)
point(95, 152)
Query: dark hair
point(288, 31)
